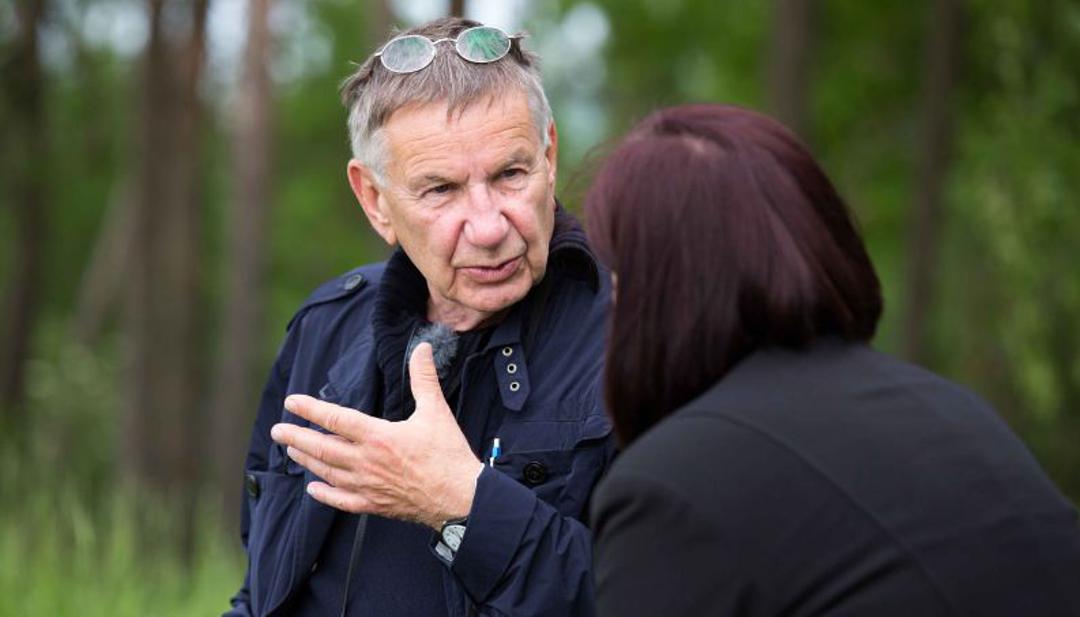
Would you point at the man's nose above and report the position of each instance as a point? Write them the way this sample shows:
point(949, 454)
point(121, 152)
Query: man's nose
point(485, 225)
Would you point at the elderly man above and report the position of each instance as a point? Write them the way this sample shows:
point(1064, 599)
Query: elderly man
point(385, 479)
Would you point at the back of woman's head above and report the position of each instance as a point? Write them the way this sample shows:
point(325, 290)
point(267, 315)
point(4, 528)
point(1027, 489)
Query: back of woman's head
point(726, 237)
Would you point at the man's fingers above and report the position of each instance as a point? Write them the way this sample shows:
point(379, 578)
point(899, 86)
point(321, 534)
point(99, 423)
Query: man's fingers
point(343, 421)
point(338, 498)
point(424, 379)
point(326, 448)
point(330, 475)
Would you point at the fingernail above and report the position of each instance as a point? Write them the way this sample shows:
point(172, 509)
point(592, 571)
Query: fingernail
point(275, 432)
point(290, 403)
point(310, 490)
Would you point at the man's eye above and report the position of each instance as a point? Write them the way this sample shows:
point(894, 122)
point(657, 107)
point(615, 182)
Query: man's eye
point(441, 189)
point(513, 172)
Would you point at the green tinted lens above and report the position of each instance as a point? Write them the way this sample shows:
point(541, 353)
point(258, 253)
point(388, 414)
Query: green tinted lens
point(483, 44)
point(407, 54)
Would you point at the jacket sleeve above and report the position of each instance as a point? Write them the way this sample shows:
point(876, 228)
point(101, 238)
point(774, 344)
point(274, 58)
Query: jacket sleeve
point(270, 407)
point(241, 602)
point(521, 556)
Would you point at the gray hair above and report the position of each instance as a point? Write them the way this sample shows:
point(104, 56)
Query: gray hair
point(372, 94)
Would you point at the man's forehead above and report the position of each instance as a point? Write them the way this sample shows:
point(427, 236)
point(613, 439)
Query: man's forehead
point(438, 117)
point(499, 127)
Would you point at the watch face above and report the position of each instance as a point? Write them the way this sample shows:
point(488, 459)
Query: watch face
point(452, 535)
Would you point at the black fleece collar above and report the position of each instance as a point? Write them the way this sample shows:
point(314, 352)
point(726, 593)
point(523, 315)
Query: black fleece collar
point(401, 303)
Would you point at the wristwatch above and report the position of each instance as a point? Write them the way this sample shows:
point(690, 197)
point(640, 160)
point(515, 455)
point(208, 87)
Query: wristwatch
point(450, 537)
point(453, 532)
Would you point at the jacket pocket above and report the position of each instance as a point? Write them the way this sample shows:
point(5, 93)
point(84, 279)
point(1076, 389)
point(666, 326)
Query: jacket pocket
point(565, 474)
point(274, 499)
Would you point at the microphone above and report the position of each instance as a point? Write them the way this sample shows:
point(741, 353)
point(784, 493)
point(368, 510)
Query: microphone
point(444, 345)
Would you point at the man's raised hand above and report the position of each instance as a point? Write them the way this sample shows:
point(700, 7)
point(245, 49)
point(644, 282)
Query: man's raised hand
point(421, 469)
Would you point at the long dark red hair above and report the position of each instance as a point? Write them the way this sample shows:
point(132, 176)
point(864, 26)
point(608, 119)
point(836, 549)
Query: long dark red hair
point(726, 237)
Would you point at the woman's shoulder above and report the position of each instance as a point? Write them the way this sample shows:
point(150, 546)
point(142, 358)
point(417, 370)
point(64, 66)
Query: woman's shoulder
point(805, 395)
point(816, 412)
point(692, 455)
point(827, 369)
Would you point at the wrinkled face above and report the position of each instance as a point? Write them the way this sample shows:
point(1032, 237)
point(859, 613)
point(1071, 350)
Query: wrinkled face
point(470, 198)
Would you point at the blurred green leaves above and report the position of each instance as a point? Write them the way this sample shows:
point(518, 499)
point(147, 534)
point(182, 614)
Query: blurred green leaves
point(1006, 321)
point(1015, 224)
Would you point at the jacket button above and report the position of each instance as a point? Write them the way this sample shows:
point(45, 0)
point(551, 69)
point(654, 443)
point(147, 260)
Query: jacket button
point(535, 473)
point(252, 484)
point(507, 351)
point(353, 281)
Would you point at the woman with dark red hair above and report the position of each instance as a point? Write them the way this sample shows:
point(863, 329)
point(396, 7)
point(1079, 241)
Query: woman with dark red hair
point(775, 464)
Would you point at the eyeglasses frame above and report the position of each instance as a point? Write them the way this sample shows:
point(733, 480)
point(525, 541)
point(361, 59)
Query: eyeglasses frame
point(510, 38)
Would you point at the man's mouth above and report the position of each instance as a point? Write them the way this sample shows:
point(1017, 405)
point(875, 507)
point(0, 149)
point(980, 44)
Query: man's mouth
point(493, 274)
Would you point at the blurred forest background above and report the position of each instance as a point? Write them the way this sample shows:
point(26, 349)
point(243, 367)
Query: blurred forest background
point(172, 185)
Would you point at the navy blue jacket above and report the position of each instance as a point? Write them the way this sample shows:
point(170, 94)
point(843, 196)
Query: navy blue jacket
point(527, 550)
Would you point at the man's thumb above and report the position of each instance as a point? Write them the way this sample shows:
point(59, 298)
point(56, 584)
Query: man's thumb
point(423, 378)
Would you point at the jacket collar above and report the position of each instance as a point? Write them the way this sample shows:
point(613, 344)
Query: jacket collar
point(401, 302)
point(399, 309)
point(569, 253)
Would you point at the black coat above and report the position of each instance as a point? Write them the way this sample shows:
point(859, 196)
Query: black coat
point(836, 481)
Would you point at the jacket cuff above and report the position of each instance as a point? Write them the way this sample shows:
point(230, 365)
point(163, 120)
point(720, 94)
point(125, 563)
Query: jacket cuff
point(501, 511)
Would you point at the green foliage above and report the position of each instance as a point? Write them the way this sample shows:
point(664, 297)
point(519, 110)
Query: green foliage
point(72, 542)
point(864, 110)
point(318, 228)
point(1011, 297)
point(663, 53)
point(90, 112)
point(59, 557)
point(73, 392)
point(1005, 322)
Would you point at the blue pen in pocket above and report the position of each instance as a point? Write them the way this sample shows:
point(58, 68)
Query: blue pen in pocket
point(496, 450)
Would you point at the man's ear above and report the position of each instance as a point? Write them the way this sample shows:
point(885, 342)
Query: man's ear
point(552, 152)
point(371, 199)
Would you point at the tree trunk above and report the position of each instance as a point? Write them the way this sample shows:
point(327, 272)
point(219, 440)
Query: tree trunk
point(237, 387)
point(940, 62)
point(163, 418)
point(102, 284)
point(153, 146)
point(790, 61)
point(101, 287)
point(187, 419)
point(24, 159)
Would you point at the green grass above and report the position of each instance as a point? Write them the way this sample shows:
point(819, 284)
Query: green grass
point(59, 558)
point(72, 542)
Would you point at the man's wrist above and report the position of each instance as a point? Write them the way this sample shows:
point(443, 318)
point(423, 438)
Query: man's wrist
point(460, 501)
